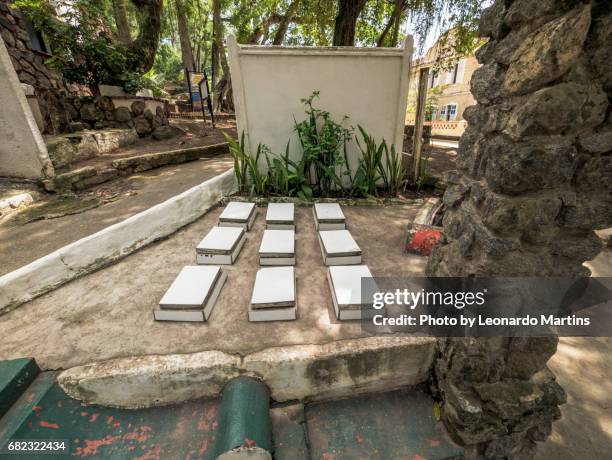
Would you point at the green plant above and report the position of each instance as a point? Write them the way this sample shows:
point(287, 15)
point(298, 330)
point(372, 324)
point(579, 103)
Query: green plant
point(236, 149)
point(246, 167)
point(368, 171)
point(393, 170)
point(424, 177)
point(322, 140)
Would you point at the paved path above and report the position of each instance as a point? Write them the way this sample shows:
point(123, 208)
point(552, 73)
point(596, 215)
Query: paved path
point(20, 245)
point(108, 313)
point(583, 367)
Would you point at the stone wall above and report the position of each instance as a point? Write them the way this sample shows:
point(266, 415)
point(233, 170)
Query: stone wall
point(31, 69)
point(103, 112)
point(533, 184)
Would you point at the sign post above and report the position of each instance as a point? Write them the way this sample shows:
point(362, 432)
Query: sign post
point(199, 92)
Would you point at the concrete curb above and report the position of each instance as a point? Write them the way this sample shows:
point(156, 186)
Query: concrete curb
point(112, 243)
point(302, 372)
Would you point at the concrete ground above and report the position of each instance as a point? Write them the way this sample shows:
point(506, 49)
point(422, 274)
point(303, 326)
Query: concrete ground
point(108, 313)
point(583, 367)
point(111, 202)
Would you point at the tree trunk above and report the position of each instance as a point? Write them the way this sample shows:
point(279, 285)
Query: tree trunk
point(217, 42)
point(283, 25)
point(183, 31)
point(399, 5)
point(383, 36)
point(346, 21)
point(143, 49)
point(394, 22)
point(121, 21)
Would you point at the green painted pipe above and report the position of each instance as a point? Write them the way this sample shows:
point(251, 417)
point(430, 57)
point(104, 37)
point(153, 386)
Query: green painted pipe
point(244, 416)
point(15, 377)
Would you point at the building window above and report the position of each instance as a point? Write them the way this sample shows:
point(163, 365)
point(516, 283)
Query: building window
point(433, 77)
point(455, 69)
point(37, 39)
point(448, 112)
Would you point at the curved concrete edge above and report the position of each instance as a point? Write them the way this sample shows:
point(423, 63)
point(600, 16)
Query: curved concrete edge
point(303, 372)
point(112, 243)
point(342, 368)
point(148, 381)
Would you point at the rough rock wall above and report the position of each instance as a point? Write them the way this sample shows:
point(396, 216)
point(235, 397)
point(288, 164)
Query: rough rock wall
point(31, 69)
point(534, 182)
point(100, 113)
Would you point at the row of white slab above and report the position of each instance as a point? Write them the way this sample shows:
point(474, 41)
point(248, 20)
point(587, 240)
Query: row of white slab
point(192, 295)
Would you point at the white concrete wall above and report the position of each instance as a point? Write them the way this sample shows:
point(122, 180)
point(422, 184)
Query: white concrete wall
point(23, 152)
point(369, 85)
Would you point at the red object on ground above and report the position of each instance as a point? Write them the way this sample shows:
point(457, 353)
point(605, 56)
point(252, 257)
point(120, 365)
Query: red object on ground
point(422, 239)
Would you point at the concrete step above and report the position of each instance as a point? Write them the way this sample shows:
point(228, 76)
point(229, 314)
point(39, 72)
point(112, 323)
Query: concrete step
point(84, 174)
point(240, 424)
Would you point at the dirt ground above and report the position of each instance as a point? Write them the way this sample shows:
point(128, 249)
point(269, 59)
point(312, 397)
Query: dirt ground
point(190, 133)
point(583, 367)
point(56, 222)
point(108, 313)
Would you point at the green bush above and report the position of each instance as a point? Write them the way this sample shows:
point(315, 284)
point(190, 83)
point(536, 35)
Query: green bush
point(323, 168)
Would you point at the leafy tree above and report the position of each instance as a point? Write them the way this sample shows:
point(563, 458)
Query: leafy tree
point(87, 48)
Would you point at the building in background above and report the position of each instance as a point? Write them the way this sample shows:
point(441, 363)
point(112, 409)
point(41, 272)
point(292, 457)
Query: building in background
point(448, 90)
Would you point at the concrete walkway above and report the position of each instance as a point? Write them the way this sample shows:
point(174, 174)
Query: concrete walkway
point(108, 313)
point(583, 367)
point(22, 244)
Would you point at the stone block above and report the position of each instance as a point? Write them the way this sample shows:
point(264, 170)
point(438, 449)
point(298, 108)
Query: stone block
point(163, 132)
point(122, 114)
point(142, 125)
point(549, 52)
point(138, 108)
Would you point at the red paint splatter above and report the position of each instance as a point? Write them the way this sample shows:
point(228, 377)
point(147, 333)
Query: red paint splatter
point(44, 424)
point(84, 414)
point(36, 408)
point(327, 456)
point(92, 446)
point(418, 457)
point(154, 454)
point(359, 439)
point(93, 417)
point(433, 442)
point(248, 443)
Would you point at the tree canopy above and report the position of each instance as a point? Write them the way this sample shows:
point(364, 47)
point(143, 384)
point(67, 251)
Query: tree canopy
point(127, 41)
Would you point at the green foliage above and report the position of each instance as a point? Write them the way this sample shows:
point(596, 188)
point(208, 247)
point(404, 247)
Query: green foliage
point(84, 50)
point(323, 141)
point(323, 168)
point(168, 65)
point(368, 171)
point(393, 171)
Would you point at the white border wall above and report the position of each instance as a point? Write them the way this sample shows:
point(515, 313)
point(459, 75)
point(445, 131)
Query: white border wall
point(369, 85)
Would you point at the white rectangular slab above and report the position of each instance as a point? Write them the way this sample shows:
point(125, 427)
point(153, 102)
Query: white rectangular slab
point(345, 285)
point(220, 240)
point(272, 314)
point(339, 248)
point(200, 314)
point(328, 212)
point(280, 213)
point(277, 242)
point(191, 287)
point(237, 211)
point(277, 248)
point(274, 287)
point(339, 243)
